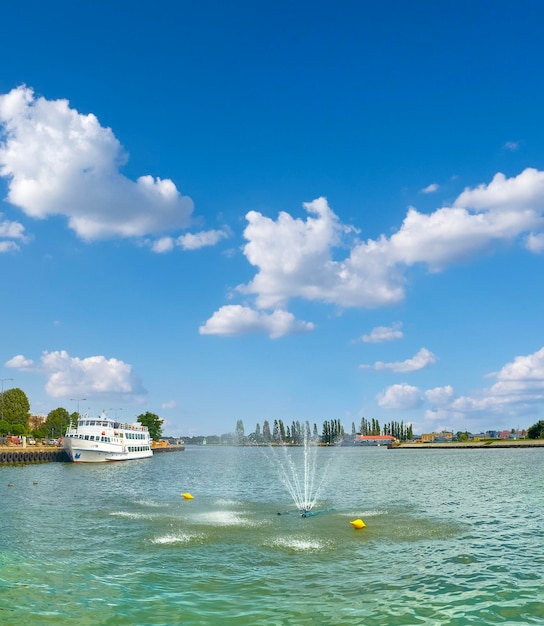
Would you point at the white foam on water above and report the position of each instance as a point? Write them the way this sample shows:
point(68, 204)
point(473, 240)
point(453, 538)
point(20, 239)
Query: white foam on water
point(225, 518)
point(298, 544)
point(150, 503)
point(131, 515)
point(225, 502)
point(173, 538)
point(364, 514)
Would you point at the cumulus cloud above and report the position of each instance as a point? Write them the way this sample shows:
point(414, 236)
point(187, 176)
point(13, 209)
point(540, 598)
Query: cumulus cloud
point(236, 319)
point(11, 234)
point(295, 257)
point(519, 194)
point(194, 241)
point(190, 241)
point(96, 376)
point(440, 396)
point(20, 362)
point(400, 396)
point(524, 376)
point(431, 188)
point(535, 243)
point(519, 387)
point(58, 161)
point(384, 333)
point(422, 359)
point(320, 259)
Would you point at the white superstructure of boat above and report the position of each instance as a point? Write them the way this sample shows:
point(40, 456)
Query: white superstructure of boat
point(100, 439)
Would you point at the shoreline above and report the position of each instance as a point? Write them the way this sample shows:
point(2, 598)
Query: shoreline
point(499, 443)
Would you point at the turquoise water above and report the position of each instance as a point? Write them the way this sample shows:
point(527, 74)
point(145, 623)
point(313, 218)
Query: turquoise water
point(453, 537)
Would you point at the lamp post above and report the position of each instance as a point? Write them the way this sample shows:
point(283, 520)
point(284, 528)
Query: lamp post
point(3, 380)
point(78, 400)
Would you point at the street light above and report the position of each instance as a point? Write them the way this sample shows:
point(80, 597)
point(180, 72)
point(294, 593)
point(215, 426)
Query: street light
point(115, 413)
point(3, 380)
point(78, 400)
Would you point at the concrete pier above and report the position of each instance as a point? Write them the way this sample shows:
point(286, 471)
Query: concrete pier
point(33, 454)
point(48, 454)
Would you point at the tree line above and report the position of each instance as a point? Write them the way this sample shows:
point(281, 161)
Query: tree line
point(332, 432)
point(15, 418)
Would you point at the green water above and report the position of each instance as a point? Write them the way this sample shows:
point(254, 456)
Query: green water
point(453, 537)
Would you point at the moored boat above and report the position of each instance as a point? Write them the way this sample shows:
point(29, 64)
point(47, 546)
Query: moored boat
point(101, 439)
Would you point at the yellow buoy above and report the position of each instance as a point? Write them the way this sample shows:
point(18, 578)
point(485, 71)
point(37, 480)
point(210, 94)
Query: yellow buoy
point(358, 523)
point(187, 496)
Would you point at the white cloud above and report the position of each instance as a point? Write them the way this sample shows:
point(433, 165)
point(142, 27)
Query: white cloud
point(521, 193)
point(164, 244)
point(384, 333)
point(171, 404)
point(535, 243)
point(194, 241)
point(236, 319)
point(8, 246)
point(440, 396)
point(431, 188)
point(190, 241)
point(295, 257)
point(60, 162)
point(96, 377)
point(11, 230)
point(512, 145)
point(306, 258)
point(524, 376)
point(422, 359)
point(519, 387)
point(20, 362)
point(400, 396)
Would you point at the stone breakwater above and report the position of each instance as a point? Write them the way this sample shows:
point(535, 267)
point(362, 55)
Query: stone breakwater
point(34, 454)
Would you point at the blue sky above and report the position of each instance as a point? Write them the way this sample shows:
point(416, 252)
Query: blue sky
point(259, 210)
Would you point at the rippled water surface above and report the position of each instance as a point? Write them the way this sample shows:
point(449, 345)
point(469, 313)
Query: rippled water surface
point(451, 537)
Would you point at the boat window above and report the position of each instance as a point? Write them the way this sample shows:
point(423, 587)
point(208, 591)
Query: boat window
point(86, 437)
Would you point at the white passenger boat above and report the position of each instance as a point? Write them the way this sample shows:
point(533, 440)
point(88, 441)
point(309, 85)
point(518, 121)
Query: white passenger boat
point(100, 439)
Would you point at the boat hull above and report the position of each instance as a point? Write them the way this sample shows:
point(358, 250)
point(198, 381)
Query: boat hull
point(81, 451)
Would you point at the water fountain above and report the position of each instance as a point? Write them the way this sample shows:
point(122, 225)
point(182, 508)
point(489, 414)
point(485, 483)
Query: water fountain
point(298, 471)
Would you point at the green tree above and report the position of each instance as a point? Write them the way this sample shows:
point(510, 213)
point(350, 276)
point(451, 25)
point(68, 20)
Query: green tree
point(4, 427)
point(57, 422)
point(536, 431)
point(266, 432)
point(15, 406)
point(239, 434)
point(153, 423)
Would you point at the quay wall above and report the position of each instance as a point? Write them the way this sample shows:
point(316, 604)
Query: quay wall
point(34, 454)
point(48, 454)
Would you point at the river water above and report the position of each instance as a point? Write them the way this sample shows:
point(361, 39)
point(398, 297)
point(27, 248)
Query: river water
point(452, 537)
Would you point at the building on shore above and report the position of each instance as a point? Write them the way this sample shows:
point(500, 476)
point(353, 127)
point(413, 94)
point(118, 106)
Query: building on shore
point(375, 440)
